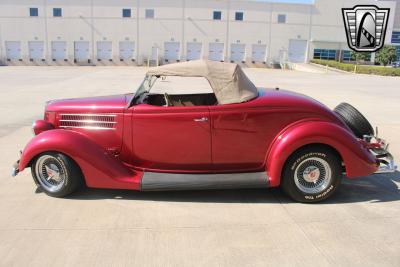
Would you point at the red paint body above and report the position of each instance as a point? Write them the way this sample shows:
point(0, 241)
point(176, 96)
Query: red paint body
point(258, 135)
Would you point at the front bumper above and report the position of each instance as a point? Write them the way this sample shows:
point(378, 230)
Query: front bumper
point(15, 169)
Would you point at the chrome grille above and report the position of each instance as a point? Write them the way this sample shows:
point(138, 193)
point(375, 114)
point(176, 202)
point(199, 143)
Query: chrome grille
point(88, 121)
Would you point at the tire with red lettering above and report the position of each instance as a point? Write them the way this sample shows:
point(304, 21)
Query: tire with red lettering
point(312, 174)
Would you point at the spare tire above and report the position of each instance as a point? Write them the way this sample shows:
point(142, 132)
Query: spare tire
point(354, 119)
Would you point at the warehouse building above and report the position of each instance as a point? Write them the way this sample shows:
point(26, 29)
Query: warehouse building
point(395, 38)
point(130, 32)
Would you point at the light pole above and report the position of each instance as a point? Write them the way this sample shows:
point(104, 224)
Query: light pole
point(92, 28)
point(227, 29)
point(46, 34)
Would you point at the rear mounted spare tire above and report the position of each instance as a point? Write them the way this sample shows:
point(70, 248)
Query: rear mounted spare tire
point(354, 119)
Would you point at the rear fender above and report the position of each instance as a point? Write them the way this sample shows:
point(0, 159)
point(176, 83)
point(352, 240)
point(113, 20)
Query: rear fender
point(99, 168)
point(357, 159)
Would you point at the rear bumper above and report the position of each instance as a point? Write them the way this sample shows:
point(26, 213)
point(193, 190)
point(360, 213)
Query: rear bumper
point(385, 160)
point(379, 149)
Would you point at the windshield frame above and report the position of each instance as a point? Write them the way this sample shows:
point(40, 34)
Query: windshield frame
point(145, 87)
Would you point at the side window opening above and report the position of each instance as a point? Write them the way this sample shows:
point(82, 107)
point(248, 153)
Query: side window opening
point(181, 91)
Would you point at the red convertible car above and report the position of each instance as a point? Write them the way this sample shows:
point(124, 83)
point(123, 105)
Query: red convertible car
point(236, 136)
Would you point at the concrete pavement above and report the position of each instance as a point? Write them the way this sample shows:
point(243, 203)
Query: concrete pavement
point(359, 226)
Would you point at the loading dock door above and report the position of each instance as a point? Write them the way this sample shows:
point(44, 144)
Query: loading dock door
point(13, 50)
point(126, 50)
point(154, 53)
point(36, 50)
point(104, 50)
point(297, 51)
point(193, 50)
point(171, 51)
point(259, 53)
point(81, 51)
point(58, 50)
point(216, 51)
point(238, 52)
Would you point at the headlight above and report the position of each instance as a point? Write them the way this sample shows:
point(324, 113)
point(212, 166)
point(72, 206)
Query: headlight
point(41, 126)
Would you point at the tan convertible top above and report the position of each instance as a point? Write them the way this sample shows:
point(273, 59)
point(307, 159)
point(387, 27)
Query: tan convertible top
point(228, 81)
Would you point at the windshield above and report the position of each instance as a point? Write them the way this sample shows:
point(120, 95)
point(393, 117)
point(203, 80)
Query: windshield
point(146, 85)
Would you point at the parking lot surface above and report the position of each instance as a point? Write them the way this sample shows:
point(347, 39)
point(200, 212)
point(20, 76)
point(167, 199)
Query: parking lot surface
point(359, 226)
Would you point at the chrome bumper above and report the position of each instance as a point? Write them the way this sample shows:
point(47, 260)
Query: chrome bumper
point(15, 169)
point(386, 161)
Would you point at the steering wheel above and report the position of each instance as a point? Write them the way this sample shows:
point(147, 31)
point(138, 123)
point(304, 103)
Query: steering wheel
point(168, 101)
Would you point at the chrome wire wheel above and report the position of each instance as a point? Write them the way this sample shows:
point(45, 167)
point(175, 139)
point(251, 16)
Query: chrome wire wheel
point(50, 172)
point(313, 175)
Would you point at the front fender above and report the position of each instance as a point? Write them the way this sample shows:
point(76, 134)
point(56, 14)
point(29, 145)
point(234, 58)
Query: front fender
point(357, 159)
point(99, 168)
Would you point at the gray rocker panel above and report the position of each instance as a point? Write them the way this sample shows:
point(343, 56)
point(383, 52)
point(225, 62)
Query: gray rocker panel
point(156, 181)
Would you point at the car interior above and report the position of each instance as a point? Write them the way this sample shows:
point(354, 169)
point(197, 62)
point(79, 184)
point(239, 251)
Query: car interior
point(181, 100)
point(173, 92)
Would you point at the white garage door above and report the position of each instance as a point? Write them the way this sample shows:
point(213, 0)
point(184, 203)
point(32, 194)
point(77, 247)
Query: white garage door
point(155, 52)
point(13, 50)
point(259, 53)
point(81, 50)
point(58, 50)
point(238, 53)
point(297, 50)
point(193, 50)
point(36, 50)
point(171, 51)
point(104, 50)
point(216, 51)
point(126, 50)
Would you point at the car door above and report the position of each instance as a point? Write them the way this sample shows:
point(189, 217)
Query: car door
point(240, 136)
point(171, 138)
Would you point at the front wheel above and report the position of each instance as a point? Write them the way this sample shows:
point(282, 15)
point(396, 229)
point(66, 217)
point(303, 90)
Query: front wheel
point(56, 174)
point(312, 174)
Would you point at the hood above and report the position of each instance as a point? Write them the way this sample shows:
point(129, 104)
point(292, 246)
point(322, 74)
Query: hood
point(99, 104)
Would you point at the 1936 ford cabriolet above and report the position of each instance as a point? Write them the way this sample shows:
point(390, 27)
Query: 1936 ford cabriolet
point(236, 136)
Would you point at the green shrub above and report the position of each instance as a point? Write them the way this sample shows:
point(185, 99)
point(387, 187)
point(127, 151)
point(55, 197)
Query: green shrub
point(377, 70)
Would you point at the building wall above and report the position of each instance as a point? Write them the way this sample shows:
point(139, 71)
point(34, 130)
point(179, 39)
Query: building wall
point(396, 22)
point(182, 21)
point(396, 30)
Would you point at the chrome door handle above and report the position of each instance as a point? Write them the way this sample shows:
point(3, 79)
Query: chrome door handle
point(203, 119)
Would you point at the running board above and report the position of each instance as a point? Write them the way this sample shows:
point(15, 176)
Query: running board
point(156, 181)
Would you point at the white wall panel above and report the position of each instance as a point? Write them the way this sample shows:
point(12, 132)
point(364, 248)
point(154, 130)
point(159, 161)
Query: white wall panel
point(185, 22)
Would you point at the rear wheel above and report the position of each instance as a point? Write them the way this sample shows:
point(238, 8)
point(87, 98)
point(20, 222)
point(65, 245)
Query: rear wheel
point(311, 174)
point(56, 174)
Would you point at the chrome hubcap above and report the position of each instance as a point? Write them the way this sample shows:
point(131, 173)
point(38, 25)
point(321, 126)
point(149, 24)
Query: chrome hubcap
point(50, 173)
point(313, 175)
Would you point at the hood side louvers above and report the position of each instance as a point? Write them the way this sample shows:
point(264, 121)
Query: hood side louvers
point(88, 121)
